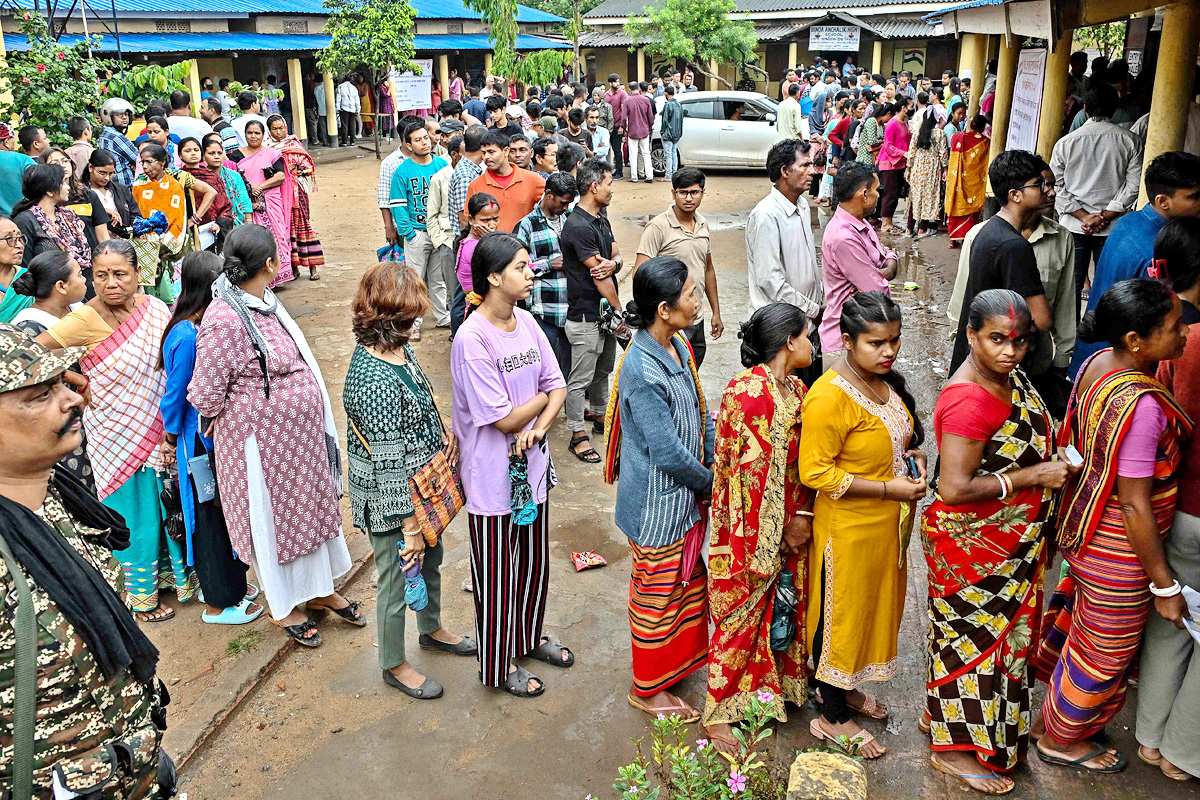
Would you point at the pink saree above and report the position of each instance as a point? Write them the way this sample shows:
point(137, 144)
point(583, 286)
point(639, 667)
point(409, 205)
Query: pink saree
point(274, 211)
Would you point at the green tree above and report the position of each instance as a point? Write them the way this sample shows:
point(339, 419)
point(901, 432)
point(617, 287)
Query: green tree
point(1108, 38)
point(698, 31)
point(52, 82)
point(572, 26)
point(145, 82)
point(369, 37)
point(539, 67)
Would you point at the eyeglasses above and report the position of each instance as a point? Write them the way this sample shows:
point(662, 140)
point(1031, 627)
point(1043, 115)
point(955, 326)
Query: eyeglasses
point(689, 193)
point(13, 239)
point(1040, 184)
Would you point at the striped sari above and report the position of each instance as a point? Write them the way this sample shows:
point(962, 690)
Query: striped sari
point(1093, 624)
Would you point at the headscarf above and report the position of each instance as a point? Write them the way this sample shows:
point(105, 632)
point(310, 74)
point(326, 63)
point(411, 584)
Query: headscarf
point(221, 206)
point(297, 160)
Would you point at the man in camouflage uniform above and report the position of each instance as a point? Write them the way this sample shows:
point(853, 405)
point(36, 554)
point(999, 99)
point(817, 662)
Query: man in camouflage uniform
point(95, 735)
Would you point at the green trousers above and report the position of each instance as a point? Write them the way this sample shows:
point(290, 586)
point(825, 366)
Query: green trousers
point(389, 602)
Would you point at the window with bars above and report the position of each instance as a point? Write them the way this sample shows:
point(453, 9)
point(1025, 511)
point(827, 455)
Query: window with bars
point(454, 27)
point(295, 26)
point(172, 26)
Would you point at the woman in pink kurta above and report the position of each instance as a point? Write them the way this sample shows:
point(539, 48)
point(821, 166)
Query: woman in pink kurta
point(893, 158)
point(278, 466)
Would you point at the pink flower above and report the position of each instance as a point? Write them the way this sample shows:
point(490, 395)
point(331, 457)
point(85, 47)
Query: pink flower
point(736, 781)
point(701, 744)
point(26, 15)
point(41, 67)
point(765, 696)
point(24, 80)
point(61, 56)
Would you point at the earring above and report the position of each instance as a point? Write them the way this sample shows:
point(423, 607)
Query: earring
point(1136, 349)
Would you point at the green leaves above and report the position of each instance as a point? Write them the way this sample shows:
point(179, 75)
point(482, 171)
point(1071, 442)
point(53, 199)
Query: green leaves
point(698, 31)
point(540, 67)
point(374, 34)
point(145, 82)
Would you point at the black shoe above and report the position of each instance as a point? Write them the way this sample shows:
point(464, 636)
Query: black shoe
point(466, 647)
point(429, 690)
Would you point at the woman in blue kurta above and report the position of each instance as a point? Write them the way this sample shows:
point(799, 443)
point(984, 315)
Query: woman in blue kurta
point(222, 576)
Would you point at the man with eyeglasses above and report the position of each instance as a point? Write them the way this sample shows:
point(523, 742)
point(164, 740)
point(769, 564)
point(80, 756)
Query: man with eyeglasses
point(681, 232)
point(1001, 257)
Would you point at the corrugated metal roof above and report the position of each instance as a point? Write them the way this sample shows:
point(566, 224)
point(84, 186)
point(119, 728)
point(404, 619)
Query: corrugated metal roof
point(626, 8)
point(941, 12)
point(426, 9)
point(261, 42)
point(904, 28)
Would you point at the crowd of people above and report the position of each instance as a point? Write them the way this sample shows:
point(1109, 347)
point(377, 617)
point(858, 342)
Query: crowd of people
point(172, 425)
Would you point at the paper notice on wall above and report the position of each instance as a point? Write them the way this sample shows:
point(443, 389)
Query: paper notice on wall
point(1134, 59)
point(1027, 101)
point(414, 91)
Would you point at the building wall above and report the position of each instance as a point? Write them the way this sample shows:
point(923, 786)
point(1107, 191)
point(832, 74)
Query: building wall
point(215, 68)
point(274, 23)
point(75, 25)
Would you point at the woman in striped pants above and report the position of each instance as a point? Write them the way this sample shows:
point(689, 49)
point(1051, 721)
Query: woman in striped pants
point(508, 390)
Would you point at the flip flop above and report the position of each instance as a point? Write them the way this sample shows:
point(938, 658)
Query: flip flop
point(234, 615)
point(1154, 762)
point(857, 742)
point(169, 615)
point(964, 777)
point(1097, 750)
point(687, 713)
point(1173, 772)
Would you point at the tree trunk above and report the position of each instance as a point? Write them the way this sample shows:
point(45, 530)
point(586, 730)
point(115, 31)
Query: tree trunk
point(697, 68)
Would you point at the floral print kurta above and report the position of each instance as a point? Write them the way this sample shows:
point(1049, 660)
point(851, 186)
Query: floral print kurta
point(756, 491)
point(289, 428)
point(924, 175)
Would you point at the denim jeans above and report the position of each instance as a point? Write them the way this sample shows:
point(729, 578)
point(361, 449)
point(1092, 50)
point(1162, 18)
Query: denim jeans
point(1087, 250)
point(671, 155)
point(558, 343)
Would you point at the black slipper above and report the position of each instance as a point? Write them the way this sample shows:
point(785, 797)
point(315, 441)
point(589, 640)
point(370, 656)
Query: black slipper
point(1078, 763)
point(588, 456)
point(466, 647)
point(517, 684)
point(429, 690)
point(551, 652)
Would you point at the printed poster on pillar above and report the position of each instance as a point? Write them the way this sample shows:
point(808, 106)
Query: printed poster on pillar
point(414, 92)
point(1027, 101)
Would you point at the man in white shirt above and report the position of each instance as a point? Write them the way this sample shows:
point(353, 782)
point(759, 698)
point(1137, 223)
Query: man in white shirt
point(1099, 170)
point(600, 136)
point(182, 123)
point(348, 107)
point(322, 114)
point(788, 121)
point(781, 253)
point(227, 100)
point(248, 103)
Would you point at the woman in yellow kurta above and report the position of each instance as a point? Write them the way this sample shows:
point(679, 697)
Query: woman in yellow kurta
point(859, 429)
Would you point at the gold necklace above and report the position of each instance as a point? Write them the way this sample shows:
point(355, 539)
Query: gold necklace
point(864, 382)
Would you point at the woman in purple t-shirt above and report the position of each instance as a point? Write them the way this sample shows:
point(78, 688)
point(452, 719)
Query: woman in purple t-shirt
point(508, 391)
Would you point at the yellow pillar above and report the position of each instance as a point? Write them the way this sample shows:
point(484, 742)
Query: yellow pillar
point(330, 106)
point(793, 56)
point(715, 69)
point(487, 64)
point(1006, 79)
point(978, 72)
point(5, 92)
point(1173, 83)
point(444, 74)
point(296, 90)
point(641, 64)
point(966, 54)
point(194, 86)
point(877, 58)
point(1054, 94)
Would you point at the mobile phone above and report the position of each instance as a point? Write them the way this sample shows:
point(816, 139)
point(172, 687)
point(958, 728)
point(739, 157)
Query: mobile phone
point(913, 472)
point(1072, 457)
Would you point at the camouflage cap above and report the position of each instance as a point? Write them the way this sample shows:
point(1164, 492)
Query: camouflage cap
point(549, 123)
point(24, 362)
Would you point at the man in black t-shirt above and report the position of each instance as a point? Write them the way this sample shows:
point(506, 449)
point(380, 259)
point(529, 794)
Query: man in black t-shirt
point(1001, 258)
point(497, 105)
point(590, 259)
point(577, 133)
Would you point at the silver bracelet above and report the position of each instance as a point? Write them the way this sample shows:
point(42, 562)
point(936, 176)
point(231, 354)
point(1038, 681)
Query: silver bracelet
point(1170, 591)
point(1003, 486)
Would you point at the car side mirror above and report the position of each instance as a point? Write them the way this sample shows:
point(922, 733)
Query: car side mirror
point(770, 118)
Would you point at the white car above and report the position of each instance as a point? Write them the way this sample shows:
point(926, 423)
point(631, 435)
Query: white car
point(720, 129)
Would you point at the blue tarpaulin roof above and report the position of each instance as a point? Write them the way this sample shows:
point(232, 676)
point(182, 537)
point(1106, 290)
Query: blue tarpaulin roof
point(260, 42)
point(426, 9)
point(960, 6)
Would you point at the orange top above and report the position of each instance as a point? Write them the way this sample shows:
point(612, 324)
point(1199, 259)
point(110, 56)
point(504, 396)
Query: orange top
point(517, 199)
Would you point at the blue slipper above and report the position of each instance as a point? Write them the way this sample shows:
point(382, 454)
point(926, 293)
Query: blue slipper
point(252, 593)
point(234, 615)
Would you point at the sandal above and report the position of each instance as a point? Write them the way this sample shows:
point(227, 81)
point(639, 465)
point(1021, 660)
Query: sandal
point(1173, 772)
point(517, 684)
point(924, 723)
point(349, 612)
point(234, 615)
point(855, 744)
point(160, 614)
point(870, 707)
point(1154, 762)
point(551, 652)
point(429, 690)
point(964, 777)
point(1078, 763)
point(314, 274)
point(723, 744)
point(297, 632)
point(687, 713)
point(589, 456)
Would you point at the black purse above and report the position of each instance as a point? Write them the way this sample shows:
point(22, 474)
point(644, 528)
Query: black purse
point(173, 506)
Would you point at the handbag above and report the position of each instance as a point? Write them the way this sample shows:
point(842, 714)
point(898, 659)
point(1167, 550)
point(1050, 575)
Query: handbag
point(436, 489)
point(173, 504)
point(390, 252)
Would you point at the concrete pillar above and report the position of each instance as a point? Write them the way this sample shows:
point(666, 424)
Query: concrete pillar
point(5, 91)
point(877, 58)
point(330, 106)
point(1173, 83)
point(715, 69)
point(194, 86)
point(641, 64)
point(1006, 79)
point(487, 64)
point(296, 89)
point(793, 56)
point(1054, 94)
point(966, 55)
point(444, 75)
point(978, 71)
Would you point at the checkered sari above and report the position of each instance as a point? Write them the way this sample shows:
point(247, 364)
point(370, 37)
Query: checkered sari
point(124, 424)
point(986, 562)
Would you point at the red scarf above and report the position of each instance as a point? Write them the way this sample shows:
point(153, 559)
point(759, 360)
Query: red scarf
point(221, 207)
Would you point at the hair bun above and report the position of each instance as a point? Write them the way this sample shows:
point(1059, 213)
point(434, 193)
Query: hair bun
point(26, 284)
point(633, 315)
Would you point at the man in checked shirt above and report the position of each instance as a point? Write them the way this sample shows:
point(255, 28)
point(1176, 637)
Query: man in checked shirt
point(540, 231)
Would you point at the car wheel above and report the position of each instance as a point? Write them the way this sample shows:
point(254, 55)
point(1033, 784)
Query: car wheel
point(658, 158)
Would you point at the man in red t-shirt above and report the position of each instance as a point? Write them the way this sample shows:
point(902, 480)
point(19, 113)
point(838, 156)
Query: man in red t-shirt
point(516, 190)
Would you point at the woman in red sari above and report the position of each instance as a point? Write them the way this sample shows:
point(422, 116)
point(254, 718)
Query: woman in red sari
point(986, 549)
point(761, 522)
point(302, 170)
point(966, 179)
point(1112, 520)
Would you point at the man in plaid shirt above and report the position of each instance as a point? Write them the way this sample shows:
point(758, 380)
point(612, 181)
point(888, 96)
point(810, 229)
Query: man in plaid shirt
point(539, 231)
point(470, 167)
point(113, 141)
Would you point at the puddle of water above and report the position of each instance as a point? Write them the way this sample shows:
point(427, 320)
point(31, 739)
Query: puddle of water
point(716, 222)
